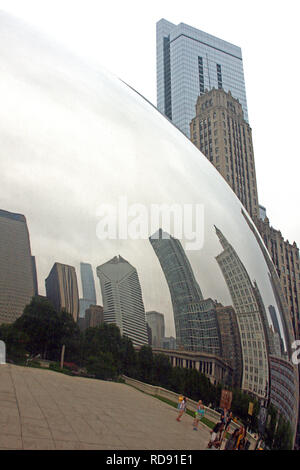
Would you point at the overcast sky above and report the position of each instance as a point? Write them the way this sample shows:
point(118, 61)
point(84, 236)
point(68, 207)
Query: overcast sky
point(120, 35)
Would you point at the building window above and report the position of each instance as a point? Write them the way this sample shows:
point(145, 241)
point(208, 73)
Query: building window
point(219, 76)
point(201, 75)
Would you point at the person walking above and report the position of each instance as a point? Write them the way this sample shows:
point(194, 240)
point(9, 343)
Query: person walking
point(228, 420)
point(182, 408)
point(180, 398)
point(216, 433)
point(198, 415)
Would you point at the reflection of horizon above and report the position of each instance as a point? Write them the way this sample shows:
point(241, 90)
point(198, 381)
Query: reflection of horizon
point(249, 316)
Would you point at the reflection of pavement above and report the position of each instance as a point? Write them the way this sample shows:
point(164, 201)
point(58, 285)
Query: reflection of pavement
point(41, 409)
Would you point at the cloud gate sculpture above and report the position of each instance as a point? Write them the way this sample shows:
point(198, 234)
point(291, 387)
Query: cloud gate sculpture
point(104, 179)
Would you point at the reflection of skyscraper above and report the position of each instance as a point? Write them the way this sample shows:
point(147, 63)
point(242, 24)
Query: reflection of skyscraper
point(274, 319)
point(88, 288)
point(230, 341)
point(276, 287)
point(88, 284)
point(254, 349)
point(62, 289)
point(156, 322)
point(94, 316)
point(17, 267)
point(122, 299)
point(195, 318)
point(284, 375)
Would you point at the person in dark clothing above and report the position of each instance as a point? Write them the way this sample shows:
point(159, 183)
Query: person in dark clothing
point(216, 433)
point(231, 442)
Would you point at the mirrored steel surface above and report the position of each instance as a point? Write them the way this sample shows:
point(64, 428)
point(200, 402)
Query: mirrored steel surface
point(78, 144)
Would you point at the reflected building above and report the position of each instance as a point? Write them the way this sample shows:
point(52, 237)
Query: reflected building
point(122, 299)
point(94, 316)
point(156, 322)
point(189, 62)
point(214, 367)
point(62, 289)
point(285, 257)
point(168, 342)
point(18, 282)
point(88, 288)
point(194, 317)
point(230, 341)
point(277, 290)
point(255, 378)
point(284, 390)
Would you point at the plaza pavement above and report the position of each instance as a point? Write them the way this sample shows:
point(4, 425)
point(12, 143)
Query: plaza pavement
point(43, 409)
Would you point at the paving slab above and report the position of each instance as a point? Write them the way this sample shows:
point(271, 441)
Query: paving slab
point(42, 409)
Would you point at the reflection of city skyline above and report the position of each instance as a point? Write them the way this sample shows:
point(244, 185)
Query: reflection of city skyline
point(286, 328)
point(254, 348)
point(201, 325)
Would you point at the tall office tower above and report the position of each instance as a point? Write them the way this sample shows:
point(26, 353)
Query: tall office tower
point(169, 343)
point(88, 288)
point(285, 257)
point(220, 131)
point(122, 299)
point(230, 341)
point(254, 348)
point(156, 321)
point(188, 62)
point(149, 333)
point(195, 318)
point(94, 316)
point(17, 267)
point(62, 289)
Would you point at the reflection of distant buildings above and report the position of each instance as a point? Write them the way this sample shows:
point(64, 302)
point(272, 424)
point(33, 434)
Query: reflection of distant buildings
point(276, 287)
point(156, 322)
point(122, 299)
point(62, 289)
point(275, 332)
point(168, 342)
point(88, 288)
point(230, 341)
point(94, 316)
point(214, 367)
point(254, 349)
point(18, 282)
point(195, 318)
point(284, 388)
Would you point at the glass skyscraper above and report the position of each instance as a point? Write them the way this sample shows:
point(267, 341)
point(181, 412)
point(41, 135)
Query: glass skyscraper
point(17, 267)
point(189, 62)
point(194, 317)
point(88, 288)
point(122, 299)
